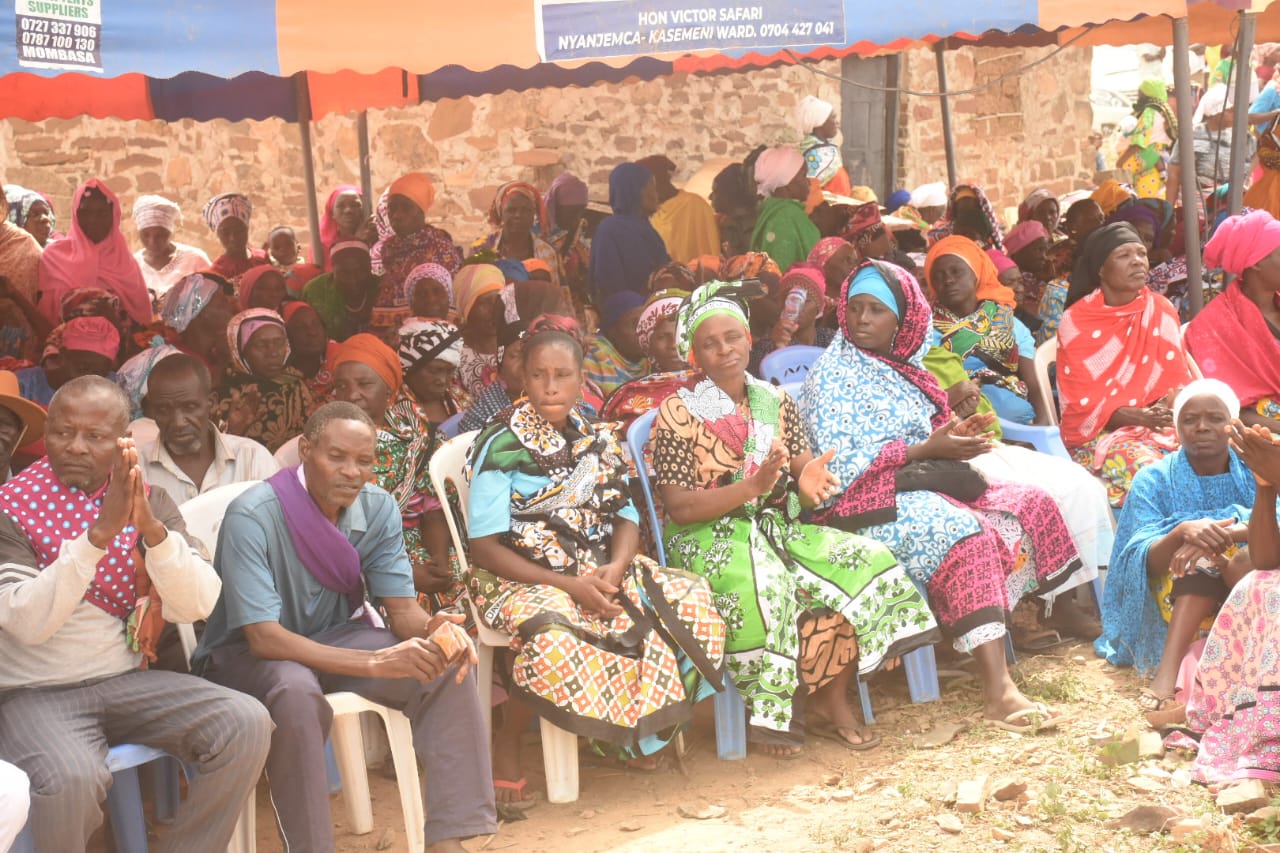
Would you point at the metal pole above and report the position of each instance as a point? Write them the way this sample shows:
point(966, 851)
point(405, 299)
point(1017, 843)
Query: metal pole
point(948, 143)
point(1187, 156)
point(308, 164)
point(366, 180)
point(1240, 125)
point(893, 71)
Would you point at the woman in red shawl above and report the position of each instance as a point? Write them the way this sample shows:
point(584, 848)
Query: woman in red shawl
point(94, 254)
point(1120, 361)
point(1236, 338)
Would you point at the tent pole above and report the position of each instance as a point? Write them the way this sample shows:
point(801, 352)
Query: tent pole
point(1187, 155)
point(947, 140)
point(1240, 125)
point(308, 164)
point(366, 180)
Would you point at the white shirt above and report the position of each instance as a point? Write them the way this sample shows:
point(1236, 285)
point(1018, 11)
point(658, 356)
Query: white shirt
point(186, 260)
point(235, 460)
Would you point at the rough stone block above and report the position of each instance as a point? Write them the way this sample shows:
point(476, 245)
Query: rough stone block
point(450, 118)
point(1246, 796)
point(971, 795)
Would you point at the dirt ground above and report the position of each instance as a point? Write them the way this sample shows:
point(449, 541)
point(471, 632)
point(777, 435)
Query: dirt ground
point(894, 798)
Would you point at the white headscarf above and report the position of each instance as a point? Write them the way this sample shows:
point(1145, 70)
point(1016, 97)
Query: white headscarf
point(1214, 102)
point(775, 168)
point(812, 112)
point(153, 211)
point(929, 195)
point(1207, 388)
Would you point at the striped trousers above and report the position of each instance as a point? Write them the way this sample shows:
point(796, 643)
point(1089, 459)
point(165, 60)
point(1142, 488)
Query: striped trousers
point(59, 737)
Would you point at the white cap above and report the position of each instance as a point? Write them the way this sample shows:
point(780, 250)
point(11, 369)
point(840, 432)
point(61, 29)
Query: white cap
point(929, 195)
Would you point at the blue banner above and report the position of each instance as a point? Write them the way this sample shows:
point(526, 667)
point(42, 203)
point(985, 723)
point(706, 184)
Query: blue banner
point(603, 28)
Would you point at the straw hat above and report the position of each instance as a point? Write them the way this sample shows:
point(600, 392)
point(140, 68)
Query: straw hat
point(31, 414)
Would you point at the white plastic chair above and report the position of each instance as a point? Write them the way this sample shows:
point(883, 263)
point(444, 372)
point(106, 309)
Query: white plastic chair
point(287, 453)
point(204, 514)
point(559, 747)
point(1046, 356)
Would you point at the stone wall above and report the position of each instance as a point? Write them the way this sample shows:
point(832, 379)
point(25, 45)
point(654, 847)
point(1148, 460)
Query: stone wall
point(469, 146)
point(1030, 130)
point(1026, 132)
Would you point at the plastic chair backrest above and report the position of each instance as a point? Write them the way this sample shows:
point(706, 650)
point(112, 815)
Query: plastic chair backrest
point(637, 438)
point(203, 513)
point(449, 427)
point(287, 453)
point(446, 467)
point(1046, 356)
point(789, 364)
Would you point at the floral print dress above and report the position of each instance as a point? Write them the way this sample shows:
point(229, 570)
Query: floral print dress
point(801, 602)
point(553, 497)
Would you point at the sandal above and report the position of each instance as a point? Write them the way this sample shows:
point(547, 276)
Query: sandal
point(1032, 642)
point(517, 786)
point(1162, 712)
point(1046, 722)
point(830, 731)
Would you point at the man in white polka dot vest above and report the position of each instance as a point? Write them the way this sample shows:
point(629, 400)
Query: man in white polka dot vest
point(91, 563)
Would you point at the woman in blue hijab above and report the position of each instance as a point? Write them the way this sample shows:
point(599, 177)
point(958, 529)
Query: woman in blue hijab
point(626, 249)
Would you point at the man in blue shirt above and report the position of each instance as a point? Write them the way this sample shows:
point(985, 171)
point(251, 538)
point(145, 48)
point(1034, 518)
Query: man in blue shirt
point(297, 554)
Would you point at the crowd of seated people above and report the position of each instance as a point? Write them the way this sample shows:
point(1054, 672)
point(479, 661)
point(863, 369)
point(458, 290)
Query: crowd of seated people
point(814, 533)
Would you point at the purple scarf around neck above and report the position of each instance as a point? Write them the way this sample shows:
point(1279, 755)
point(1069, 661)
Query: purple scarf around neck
point(322, 548)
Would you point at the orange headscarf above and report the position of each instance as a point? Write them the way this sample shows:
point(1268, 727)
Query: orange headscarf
point(989, 286)
point(1110, 194)
point(369, 350)
point(416, 187)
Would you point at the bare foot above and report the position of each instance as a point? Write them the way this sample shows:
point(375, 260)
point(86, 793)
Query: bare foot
point(778, 750)
point(828, 705)
point(448, 845)
point(1011, 699)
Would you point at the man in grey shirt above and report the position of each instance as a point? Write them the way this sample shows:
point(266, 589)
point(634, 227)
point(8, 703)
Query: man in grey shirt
point(185, 454)
point(79, 535)
point(297, 555)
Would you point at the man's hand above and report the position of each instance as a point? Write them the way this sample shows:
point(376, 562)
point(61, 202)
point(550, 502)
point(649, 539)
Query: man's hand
point(416, 658)
point(117, 503)
point(152, 530)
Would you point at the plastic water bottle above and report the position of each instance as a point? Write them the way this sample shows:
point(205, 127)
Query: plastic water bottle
point(794, 304)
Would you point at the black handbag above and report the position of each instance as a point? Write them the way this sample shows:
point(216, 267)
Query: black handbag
point(950, 477)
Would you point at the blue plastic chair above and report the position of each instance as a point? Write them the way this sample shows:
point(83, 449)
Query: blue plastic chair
point(1045, 439)
point(789, 364)
point(450, 426)
point(124, 799)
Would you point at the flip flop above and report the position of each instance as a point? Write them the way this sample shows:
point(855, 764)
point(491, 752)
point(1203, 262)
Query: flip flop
point(1168, 711)
point(1047, 722)
point(1039, 641)
point(517, 786)
point(830, 731)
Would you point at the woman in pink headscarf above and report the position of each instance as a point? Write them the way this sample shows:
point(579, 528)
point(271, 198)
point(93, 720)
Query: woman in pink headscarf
point(783, 228)
point(341, 219)
point(1236, 338)
point(94, 254)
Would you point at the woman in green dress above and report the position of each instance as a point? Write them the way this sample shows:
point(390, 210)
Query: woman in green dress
point(807, 607)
